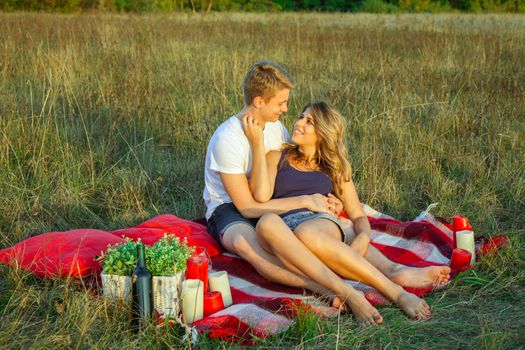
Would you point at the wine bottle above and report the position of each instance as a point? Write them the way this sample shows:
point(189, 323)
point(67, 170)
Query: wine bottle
point(142, 290)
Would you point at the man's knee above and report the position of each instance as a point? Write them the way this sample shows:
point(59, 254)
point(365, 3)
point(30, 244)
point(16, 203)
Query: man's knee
point(239, 239)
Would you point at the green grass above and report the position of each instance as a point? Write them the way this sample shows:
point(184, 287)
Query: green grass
point(104, 121)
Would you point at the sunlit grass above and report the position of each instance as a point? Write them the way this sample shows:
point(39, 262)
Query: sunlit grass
point(104, 121)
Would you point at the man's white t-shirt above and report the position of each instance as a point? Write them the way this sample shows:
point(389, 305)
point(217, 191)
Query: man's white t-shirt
point(229, 152)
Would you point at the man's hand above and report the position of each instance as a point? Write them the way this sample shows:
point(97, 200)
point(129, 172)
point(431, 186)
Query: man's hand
point(253, 131)
point(336, 206)
point(360, 243)
point(319, 204)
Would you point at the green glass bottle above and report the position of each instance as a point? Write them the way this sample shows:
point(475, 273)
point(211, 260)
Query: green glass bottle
point(142, 296)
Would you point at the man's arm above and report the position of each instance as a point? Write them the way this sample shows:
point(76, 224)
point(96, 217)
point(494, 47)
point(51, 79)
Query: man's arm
point(239, 191)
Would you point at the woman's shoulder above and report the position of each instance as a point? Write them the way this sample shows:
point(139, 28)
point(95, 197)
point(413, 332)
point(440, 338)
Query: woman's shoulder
point(271, 155)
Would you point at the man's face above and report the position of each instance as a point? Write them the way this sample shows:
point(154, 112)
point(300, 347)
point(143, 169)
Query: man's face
point(272, 109)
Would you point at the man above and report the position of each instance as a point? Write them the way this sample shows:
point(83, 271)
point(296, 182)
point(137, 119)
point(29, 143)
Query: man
point(232, 211)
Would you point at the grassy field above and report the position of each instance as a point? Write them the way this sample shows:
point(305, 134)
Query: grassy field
point(104, 121)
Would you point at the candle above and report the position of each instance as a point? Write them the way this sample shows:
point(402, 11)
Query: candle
point(465, 240)
point(197, 268)
point(460, 259)
point(192, 300)
point(460, 223)
point(219, 282)
point(212, 303)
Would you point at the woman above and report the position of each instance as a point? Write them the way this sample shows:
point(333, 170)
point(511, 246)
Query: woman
point(313, 244)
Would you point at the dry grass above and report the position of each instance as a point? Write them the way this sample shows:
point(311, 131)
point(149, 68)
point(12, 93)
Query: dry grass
point(104, 121)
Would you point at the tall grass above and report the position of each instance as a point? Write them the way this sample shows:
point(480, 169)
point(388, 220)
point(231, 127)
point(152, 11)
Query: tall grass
point(104, 121)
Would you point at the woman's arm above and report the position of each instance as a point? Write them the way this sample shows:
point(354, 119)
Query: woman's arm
point(264, 166)
point(258, 182)
point(264, 191)
point(354, 211)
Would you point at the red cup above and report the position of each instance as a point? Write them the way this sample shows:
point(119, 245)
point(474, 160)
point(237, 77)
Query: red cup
point(460, 259)
point(212, 303)
point(460, 223)
point(200, 251)
point(197, 267)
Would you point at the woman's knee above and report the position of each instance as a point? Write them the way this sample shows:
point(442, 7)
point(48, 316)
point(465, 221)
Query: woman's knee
point(267, 224)
point(317, 232)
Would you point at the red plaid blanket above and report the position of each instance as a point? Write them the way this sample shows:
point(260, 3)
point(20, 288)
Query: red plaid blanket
point(260, 308)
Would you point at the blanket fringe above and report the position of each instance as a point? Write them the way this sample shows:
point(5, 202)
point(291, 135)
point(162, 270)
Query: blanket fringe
point(190, 333)
point(431, 207)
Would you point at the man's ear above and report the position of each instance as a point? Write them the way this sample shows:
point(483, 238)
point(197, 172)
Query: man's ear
point(258, 101)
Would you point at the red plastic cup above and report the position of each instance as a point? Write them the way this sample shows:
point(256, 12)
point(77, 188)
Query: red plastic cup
point(460, 223)
point(197, 267)
point(212, 303)
point(460, 259)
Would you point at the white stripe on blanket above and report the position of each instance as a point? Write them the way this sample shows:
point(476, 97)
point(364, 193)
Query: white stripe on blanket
point(255, 290)
point(257, 318)
point(425, 250)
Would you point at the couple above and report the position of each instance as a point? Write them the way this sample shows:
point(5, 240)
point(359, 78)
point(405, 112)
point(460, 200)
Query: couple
point(275, 203)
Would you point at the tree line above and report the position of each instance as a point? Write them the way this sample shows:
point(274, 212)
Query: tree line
point(204, 6)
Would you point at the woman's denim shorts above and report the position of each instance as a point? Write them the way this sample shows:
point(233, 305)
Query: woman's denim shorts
point(295, 219)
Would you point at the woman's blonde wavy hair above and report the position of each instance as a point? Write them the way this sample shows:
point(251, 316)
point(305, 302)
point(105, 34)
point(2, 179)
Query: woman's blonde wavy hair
point(331, 156)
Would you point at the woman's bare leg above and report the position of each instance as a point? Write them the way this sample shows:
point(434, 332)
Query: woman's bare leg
point(275, 236)
point(240, 238)
point(406, 276)
point(350, 264)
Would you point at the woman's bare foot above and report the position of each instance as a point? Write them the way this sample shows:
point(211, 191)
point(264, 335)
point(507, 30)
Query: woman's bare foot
point(424, 277)
point(416, 308)
point(338, 304)
point(363, 311)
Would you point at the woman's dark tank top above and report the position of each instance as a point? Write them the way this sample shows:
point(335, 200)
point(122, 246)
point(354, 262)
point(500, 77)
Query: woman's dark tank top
point(290, 182)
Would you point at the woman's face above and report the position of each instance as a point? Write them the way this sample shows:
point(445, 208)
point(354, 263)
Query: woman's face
point(304, 130)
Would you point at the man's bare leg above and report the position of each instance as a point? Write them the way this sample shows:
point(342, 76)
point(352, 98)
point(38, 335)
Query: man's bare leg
point(405, 276)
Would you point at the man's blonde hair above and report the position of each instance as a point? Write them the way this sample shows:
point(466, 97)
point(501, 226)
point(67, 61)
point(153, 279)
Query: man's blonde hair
point(264, 79)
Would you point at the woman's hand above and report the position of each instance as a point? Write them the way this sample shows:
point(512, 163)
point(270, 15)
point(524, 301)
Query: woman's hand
point(360, 243)
point(253, 131)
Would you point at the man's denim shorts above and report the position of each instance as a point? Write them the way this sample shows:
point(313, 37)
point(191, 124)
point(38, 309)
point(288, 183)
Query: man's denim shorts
point(223, 217)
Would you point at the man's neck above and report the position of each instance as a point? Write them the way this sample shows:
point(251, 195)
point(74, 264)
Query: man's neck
point(254, 112)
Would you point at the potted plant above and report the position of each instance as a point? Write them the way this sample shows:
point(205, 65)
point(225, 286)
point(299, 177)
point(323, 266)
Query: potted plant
point(118, 263)
point(166, 261)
